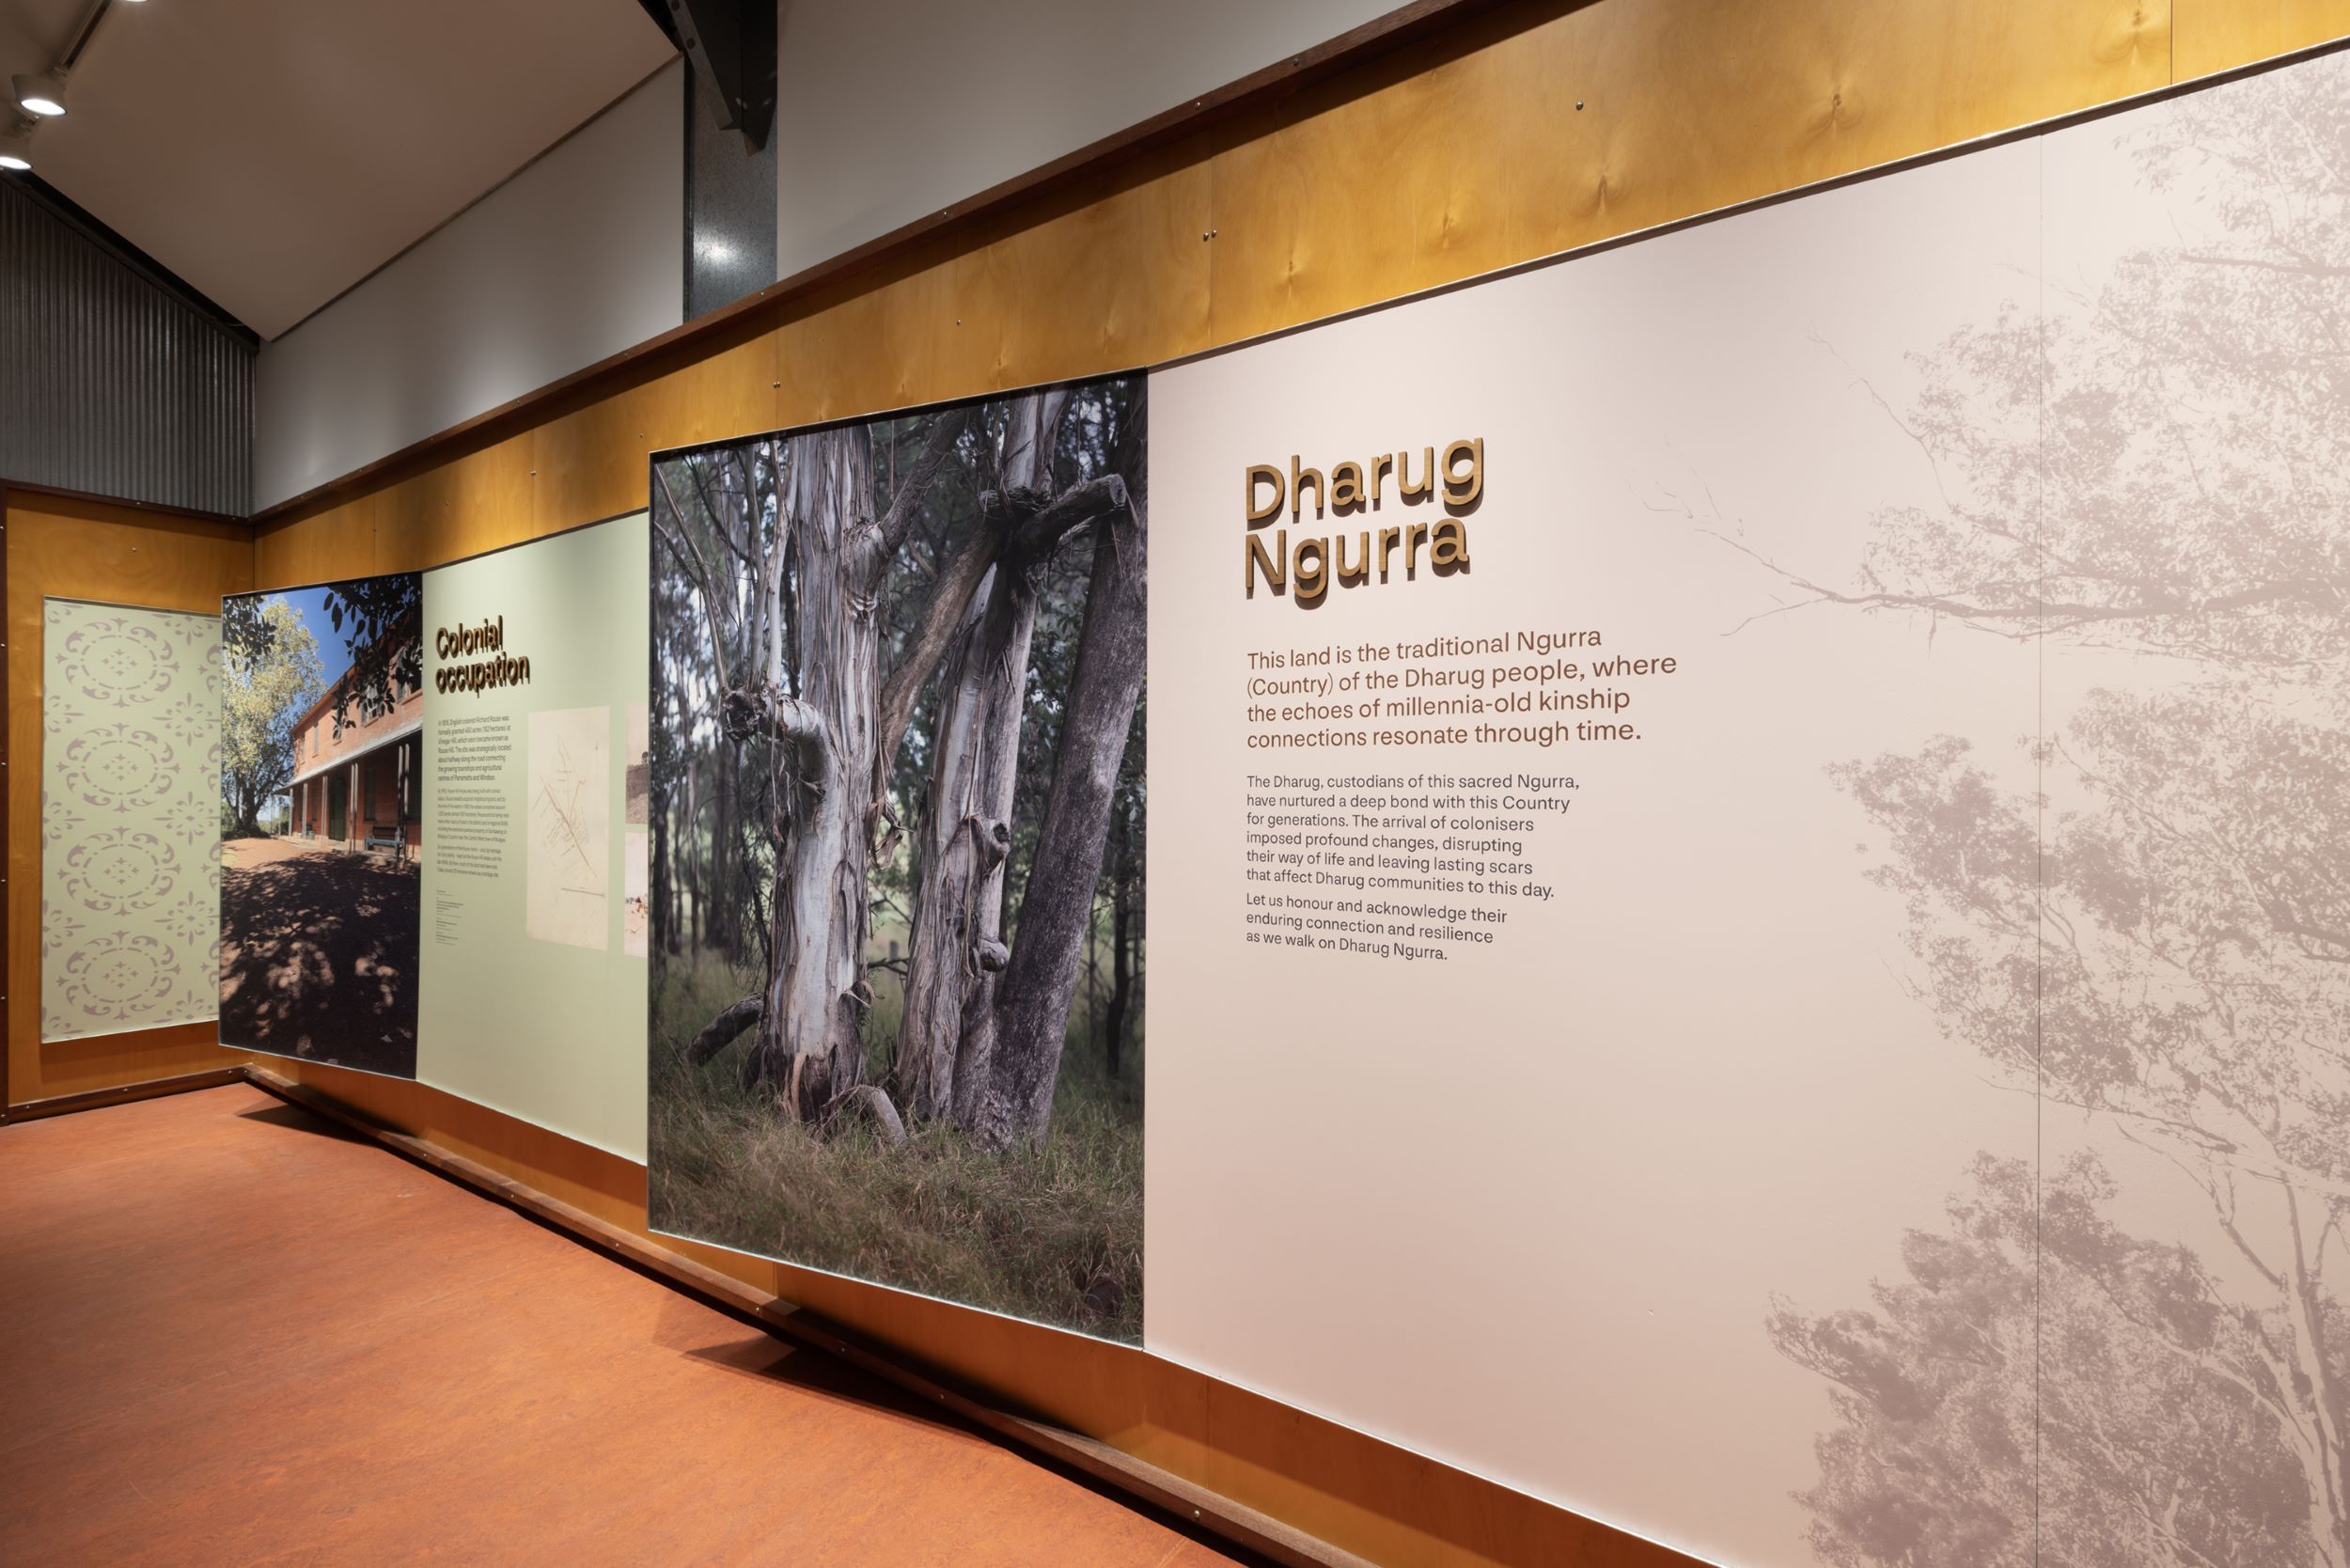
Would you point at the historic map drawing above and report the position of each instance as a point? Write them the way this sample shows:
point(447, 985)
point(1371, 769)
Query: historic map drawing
point(568, 792)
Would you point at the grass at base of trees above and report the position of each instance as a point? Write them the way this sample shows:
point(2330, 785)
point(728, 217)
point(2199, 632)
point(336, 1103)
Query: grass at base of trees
point(1051, 1232)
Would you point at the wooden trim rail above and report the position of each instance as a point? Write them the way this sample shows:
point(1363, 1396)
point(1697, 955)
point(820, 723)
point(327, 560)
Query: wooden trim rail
point(91, 1099)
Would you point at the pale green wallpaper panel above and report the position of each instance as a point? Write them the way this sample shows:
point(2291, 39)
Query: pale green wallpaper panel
point(130, 819)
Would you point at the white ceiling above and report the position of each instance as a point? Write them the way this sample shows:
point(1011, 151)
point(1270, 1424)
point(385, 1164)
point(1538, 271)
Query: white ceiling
point(274, 152)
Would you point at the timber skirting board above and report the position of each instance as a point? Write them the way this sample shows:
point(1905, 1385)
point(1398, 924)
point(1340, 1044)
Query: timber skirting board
point(90, 1099)
point(1155, 1488)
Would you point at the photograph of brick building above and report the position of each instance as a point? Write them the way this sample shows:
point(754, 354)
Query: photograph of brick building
point(322, 808)
point(356, 781)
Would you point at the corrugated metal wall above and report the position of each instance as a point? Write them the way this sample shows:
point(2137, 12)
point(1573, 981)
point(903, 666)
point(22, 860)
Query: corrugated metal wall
point(111, 383)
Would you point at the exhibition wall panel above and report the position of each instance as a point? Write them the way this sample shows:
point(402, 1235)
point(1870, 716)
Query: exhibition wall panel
point(322, 918)
point(91, 550)
point(130, 819)
point(1812, 901)
point(2211, 35)
point(536, 831)
point(1052, 289)
point(457, 893)
point(906, 858)
point(1514, 952)
point(2193, 800)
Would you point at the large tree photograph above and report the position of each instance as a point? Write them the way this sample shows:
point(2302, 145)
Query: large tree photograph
point(2138, 1353)
point(898, 841)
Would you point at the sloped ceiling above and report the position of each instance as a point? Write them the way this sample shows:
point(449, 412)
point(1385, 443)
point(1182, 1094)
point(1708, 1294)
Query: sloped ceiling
point(274, 152)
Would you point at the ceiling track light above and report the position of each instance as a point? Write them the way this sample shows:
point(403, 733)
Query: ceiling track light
point(41, 95)
point(16, 149)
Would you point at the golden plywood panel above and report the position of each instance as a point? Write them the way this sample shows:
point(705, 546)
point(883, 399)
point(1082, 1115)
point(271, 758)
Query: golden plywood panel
point(1121, 261)
point(110, 1061)
point(1433, 165)
point(322, 547)
point(2216, 35)
point(882, 343)
point(589, 459)
point(1124, 263)
point(123, 556)
point(474, 503)
point(1389, 1504)
point(1314, 203)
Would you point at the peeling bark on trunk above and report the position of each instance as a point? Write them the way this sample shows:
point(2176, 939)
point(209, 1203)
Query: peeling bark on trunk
point(957, 949)
point(1121, 942)
point(805, 677)
point(956, 944)
point(1011, 1057)
point(966, 836)
point(995, 740)
point(808, 1039)
point(660, 905)
point(693, 892)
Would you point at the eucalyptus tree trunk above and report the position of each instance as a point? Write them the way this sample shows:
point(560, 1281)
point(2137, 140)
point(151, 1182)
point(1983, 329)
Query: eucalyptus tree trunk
point(697, 899)
point(1009, 1060)
point(1122, 937)
point(956, 944)
point(726, 869)
point(956, 949)
point(660, 905)
point(797, 606)
point(824, 726)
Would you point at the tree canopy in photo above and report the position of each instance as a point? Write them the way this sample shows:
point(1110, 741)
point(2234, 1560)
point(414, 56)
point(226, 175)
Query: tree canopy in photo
point(271, 663)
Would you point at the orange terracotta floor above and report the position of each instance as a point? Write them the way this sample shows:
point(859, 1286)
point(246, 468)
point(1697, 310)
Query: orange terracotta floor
point(230, 1332)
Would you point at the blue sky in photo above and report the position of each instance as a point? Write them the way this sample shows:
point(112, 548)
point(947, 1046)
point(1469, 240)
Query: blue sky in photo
point(334, 649)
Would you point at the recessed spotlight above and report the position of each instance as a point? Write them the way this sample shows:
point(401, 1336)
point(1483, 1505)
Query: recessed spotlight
point(42, 94)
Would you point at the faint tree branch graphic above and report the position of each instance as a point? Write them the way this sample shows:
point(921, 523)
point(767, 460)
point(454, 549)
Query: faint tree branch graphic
point(2161, 940)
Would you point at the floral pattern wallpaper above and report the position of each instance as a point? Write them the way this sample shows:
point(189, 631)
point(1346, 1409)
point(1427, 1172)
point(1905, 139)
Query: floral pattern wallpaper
point(130, 819)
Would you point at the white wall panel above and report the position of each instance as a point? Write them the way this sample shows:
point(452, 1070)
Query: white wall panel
point(1880, 1121)
point(577, 257)
point(893, 109)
